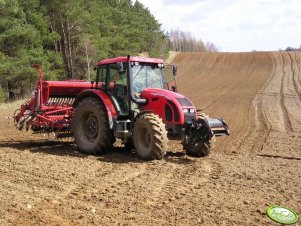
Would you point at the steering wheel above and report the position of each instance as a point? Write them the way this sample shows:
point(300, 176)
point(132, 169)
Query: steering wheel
point(137, 87)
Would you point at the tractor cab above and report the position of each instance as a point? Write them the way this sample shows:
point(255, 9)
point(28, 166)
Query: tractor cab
point(124, 79)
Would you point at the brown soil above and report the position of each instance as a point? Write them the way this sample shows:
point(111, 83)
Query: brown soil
point(259, 95)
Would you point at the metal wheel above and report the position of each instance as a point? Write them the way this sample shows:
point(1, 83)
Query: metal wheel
point(91, 126)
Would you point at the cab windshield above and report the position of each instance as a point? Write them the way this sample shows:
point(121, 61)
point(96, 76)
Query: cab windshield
point(146, 76)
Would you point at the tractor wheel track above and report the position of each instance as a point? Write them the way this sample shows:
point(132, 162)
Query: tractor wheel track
point(288, 124)
point(296, 72)
point(294, 103)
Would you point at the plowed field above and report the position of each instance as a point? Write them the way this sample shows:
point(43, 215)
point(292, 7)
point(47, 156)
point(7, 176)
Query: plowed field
point(259, 95)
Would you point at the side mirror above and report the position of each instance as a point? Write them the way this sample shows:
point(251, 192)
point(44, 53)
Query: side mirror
point(120, 66)
point(174, 70)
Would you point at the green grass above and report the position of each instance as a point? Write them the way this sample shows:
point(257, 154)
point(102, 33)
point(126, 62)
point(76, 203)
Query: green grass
point(12, 105)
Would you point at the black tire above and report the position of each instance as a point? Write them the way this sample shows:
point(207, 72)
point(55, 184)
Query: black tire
point(90, 127)
point(150, 137)
point(199, 149)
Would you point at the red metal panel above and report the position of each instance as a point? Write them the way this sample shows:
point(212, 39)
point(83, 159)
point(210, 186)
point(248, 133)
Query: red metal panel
point(66, 88)
point(156, 100)
point(107, 101)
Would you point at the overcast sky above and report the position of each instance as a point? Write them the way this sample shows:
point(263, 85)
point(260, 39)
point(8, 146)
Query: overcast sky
point(233, 25)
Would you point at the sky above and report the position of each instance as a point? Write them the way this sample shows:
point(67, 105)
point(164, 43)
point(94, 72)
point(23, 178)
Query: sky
point(233, 25)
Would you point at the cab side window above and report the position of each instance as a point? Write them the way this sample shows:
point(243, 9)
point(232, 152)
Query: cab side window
point(101, 73)
point(117, 88)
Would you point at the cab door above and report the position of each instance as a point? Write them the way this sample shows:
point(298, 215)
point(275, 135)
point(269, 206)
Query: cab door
point(116, 86)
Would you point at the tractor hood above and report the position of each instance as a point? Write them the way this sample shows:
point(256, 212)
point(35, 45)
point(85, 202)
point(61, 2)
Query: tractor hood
point(152, 93)
point(171, 106)
point(176, 109)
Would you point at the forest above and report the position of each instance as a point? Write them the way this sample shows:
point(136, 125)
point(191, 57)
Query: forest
point(67, 37)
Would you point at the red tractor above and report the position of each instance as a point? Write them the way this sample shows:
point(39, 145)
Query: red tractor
point(130, 100)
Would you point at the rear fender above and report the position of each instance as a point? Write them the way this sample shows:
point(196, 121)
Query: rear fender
point(103, 97)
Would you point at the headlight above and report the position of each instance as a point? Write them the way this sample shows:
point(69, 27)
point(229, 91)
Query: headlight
point(192, 110)
point(185, 110)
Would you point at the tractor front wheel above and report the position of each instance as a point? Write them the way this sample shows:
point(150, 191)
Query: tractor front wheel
point(90, 127)
point(150, 137)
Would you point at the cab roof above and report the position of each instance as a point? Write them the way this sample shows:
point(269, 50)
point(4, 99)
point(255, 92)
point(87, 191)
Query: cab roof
point(132, 59)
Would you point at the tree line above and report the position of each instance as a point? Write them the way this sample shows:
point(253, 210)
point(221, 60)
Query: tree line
point(181, 41)
point(67, 37)
point(293, 49)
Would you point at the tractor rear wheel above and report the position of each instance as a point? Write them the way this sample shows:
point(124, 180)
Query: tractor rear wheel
point(150, 137)
point(90, 127)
